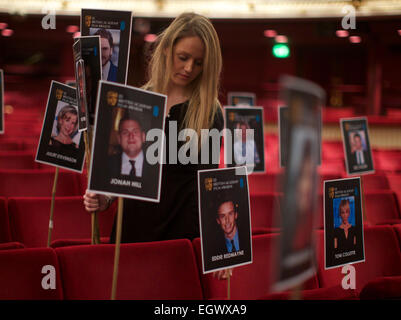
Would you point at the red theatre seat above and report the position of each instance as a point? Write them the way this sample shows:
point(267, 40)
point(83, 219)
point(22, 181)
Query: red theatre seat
point(250, 281)
point(29, 220)
point(155, 270)
point(397, 229)
point(375, 182)
point(382, 259)
point(38, 183)
point(381, 207)
point(263, 208)
point(389, 161)
point(332, 150)
point(21, 274)
point(264, 183)
point(18, 160)
point(5, 235)
point(9, 144)
point(11, 245)
point(394, 181)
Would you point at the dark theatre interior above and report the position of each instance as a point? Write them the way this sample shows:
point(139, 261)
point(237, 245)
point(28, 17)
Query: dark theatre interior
point(360, 73)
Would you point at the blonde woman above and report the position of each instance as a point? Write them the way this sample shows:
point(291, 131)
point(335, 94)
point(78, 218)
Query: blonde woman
point(67, 124)
point(186, 66)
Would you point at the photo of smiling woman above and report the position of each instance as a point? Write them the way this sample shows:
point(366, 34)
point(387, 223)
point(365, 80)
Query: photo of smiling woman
point(345, 232)
point(65, 131)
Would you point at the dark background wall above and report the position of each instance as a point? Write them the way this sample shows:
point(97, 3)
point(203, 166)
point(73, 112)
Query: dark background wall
point(32, 57)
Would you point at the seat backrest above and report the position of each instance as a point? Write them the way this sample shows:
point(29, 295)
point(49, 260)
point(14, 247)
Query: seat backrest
point(381, 206)
point(395, 181)
point(5, 235)
point(10, 144)
point(250, 281)
point(11, 245)
point(21, 274)
point(38, 183)
point(382, 258)
point(29, 220)
point(17, 160)
point(264, 183)
point(263, 208)
point(375, 182)
point(397, 229)
point(154, 270)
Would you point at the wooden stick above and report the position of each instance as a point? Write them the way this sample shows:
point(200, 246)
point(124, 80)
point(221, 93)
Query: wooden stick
point(363, 201)
point(49, 235)
point(229, 286)
point(117, 248)
point(95, 237)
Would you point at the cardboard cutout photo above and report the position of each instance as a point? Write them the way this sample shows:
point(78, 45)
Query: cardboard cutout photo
point(124, 162)
point(1, 101)
point(61, 144)
point(358, 154)
point(245, 146)
point(87, 73)
point(81, 94)
point(343, 222)
point(114, 29)
point(224, 218)
point(241, 99)
point(296, 254)
point(283, 135)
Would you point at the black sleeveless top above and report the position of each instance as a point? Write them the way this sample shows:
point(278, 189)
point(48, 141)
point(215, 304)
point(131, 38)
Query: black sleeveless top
point(345, 244)
point(176, 215)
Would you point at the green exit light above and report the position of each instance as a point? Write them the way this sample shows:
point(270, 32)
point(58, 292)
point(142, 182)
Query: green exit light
point(281, 51)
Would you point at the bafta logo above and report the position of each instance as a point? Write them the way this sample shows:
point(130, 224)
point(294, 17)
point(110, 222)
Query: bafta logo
point(59, 94)
point(231, 116)
point(208, 184)
point(346, 126)
point(112, 98)
point(88, 21)
point(331, 192)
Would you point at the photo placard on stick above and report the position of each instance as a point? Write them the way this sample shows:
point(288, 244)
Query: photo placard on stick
point(241, 99)
point(114, 29)
point(128, 142)
point(343, 222)
point(244, 138)
point(224, 218)
point(357, 151)
point(283, 134)
point(88, 72)
point(296, 252)
point(1, 101)
point(61, 144)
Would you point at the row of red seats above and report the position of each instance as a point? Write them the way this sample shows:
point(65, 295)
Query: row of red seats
point(26, 220)
point(19, 154)
point(151, 271)
point(39, 182)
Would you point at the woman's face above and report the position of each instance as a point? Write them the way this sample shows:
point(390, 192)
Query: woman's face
point(344, 213)
point(188, 55)
point(68, 124)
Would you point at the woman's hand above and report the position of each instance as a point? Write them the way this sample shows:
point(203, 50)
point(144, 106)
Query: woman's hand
point(95, 202)
point(223, 274)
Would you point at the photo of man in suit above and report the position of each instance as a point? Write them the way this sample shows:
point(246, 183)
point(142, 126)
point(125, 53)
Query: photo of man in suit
point(109, 70)
point(227, 215)
point(130, 160)
point(359, 155)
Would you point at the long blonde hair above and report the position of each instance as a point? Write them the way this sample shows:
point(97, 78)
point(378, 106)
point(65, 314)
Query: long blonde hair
point(203, 102)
